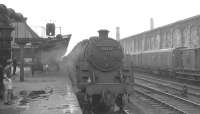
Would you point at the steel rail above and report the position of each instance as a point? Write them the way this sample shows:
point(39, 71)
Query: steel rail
point(196, 107)
point(194, 88)
point(164, 85)
point(170, 107)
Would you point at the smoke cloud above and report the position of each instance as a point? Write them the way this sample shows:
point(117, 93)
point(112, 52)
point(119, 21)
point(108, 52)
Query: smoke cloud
point(70, 61)
point(52, 56)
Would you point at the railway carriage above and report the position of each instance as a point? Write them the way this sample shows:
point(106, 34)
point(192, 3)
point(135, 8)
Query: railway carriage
point(191, 59)
point(172, 50)
point(181, 63)
point(136, 59)
point(158, 60)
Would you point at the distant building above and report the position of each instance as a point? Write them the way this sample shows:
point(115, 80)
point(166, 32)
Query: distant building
point(22, 30)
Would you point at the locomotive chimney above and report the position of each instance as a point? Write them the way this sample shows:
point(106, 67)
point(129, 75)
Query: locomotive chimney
point(103, 33)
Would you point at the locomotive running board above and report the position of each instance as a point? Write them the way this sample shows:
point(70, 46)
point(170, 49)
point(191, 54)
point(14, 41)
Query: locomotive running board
point(108, 83)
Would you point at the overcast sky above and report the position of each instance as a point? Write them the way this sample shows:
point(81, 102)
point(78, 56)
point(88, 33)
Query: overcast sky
point(83, 18)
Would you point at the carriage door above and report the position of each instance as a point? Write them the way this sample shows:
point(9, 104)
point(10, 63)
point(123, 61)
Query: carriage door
point(177, 59)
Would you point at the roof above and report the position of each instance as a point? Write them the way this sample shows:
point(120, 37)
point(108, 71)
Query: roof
point(163, 27)
point(22, 30)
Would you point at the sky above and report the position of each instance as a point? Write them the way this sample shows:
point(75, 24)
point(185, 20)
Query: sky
point(83, 18)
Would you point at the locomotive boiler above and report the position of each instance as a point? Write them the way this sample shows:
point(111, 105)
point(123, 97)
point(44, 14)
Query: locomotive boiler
point(103, 76)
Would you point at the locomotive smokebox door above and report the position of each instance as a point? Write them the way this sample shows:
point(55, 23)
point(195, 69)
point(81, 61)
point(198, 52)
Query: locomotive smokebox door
point(105, 54)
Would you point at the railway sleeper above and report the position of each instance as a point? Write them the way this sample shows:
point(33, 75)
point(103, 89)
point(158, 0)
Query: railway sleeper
point(195, 76)
point(190, 78)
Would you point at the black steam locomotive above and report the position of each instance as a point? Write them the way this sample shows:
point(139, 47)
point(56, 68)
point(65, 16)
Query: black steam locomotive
point(103, 76)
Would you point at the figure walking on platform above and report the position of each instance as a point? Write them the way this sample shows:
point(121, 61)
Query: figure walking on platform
point(14, 66)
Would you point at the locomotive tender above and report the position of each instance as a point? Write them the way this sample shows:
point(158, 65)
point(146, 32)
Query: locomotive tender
point(102, 75)
point(172, 50)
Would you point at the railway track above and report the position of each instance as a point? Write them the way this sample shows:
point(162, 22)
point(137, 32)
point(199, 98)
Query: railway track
point(159, 105)
point(189, 97)
point(169, 102)
point(168, 87)
point(192, 90)
point(179, 78)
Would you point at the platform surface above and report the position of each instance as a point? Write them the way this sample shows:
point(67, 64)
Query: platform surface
point(52, 94)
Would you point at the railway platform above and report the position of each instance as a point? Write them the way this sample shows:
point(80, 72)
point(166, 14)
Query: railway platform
point(42, 94)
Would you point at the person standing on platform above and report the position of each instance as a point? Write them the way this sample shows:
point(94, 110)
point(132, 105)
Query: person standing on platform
point(7, 81)
point(7, 69)
point(7, 90)
point(14, 66)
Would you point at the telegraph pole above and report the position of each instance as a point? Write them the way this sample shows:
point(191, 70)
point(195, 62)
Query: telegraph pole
point(60, 29)
point(117, 33)
point(151, 24)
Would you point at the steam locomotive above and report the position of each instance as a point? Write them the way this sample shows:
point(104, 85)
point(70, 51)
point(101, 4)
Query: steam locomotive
point(103, 76)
